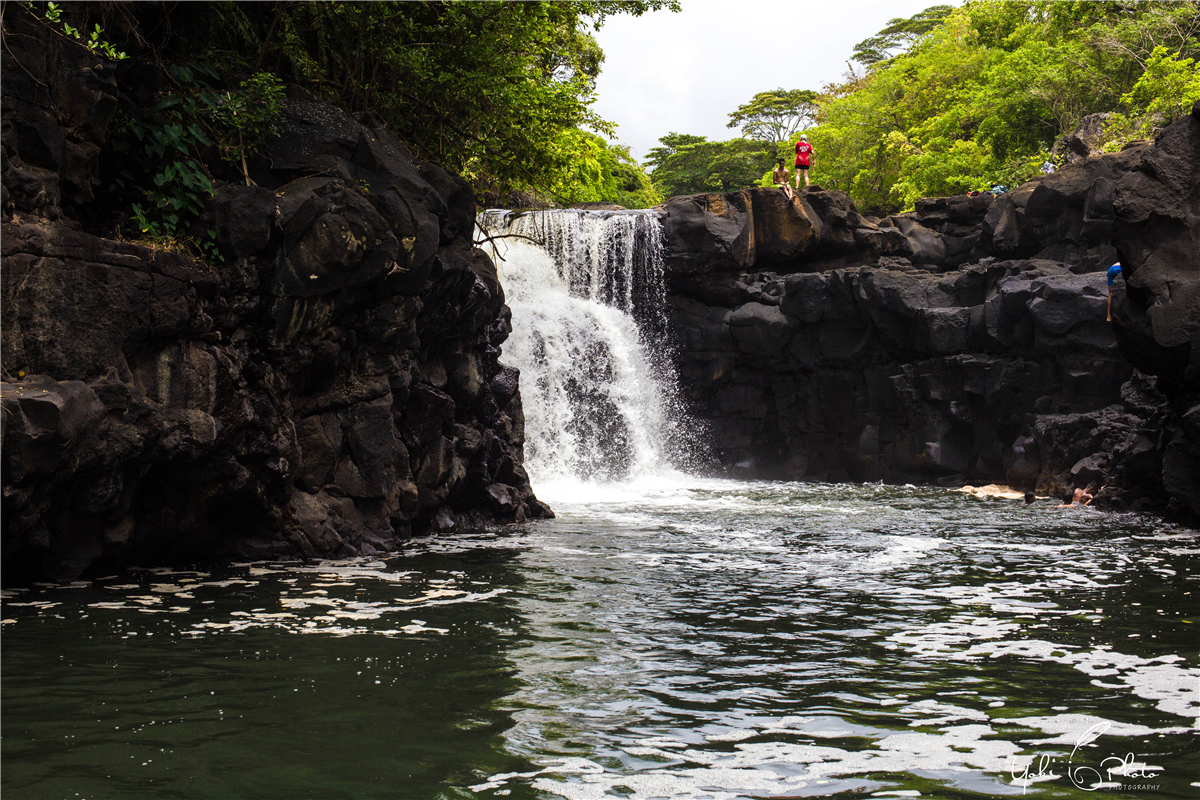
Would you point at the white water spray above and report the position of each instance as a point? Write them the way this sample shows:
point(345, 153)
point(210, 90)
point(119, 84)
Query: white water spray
point(586, 309)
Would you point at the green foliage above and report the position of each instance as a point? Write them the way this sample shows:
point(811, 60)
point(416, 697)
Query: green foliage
point(687, 164)
point(602, 173)
point(982, 93)
point(93, 41)
point(249, 113)
point(1163, 94)
point(163, 152)
point(899, 34)
point(1167, 89)
point(774, 116)
point(495, 91)
point(634, 187)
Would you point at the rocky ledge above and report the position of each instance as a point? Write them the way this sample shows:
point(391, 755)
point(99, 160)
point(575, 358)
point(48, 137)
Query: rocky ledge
point(966, 341)
point(330, 388)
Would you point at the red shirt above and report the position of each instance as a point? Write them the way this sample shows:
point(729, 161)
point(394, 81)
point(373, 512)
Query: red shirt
point(804, 152)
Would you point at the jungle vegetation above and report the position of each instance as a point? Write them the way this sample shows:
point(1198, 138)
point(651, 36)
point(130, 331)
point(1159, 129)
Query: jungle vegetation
point(949, 100)
point(499, 92)
point(959, 99)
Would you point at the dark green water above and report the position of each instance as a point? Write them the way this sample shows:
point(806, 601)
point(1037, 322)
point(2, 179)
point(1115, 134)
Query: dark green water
point(701, 640)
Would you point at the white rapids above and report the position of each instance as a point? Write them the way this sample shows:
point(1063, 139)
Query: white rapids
point(587, 295)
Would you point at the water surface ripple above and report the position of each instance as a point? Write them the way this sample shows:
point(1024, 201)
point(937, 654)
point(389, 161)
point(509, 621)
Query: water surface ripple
point(679, 638)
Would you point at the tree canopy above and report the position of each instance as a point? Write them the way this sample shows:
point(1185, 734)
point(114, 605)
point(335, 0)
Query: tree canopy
point(498, 92)
point(775, 115)
point(687, 164)
point(602, 173)
point(899, 34)
point(981, 96)
point(957, 99)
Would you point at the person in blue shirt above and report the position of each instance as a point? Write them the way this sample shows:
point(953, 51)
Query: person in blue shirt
point(1113, 272)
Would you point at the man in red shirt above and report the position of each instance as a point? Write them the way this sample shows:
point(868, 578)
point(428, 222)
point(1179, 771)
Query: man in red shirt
point(804, 154)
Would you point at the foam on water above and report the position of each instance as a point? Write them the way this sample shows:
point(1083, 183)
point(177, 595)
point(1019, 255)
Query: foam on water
point(723, 640)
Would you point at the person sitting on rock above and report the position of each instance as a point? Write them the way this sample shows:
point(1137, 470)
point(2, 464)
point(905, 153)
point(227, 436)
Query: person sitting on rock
point(804, 154)
point(1113, 272)
point(781, 176)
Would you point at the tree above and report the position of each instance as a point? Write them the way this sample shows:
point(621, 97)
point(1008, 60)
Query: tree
point(774, 116)
point(687, 164)
point(489, 90)
point(899, 35)
point(672, 143)
point(1167, 89)
point(602, 173)
point(980, 95)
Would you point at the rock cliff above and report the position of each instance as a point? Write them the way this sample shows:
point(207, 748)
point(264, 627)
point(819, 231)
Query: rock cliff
point(964, 341)
point(330, 387)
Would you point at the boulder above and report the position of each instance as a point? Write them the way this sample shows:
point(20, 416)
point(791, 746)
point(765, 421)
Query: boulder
point(708, 232)
point(784, 230)
point(244, 217)
point(925, 247)
point(758, 330)
point(1082, 142)
point(44, 422)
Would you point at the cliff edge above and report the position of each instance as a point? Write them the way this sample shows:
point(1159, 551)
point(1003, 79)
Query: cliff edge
point(965, 341)
point(329, 387)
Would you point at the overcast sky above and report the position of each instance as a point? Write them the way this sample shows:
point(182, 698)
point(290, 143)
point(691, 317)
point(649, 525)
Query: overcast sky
point(687, 71)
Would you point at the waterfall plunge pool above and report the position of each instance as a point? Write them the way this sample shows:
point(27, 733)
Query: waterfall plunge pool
point(666, 636)
point(672, 638)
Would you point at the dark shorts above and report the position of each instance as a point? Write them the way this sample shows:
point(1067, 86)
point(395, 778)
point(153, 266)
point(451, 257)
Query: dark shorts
point(802, 166)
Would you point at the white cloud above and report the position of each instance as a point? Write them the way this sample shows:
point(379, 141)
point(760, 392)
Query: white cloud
point(686, 72)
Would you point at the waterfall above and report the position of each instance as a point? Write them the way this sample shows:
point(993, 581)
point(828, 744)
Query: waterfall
point(588, 302)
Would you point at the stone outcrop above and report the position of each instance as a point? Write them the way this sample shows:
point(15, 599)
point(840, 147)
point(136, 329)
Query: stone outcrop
point(1083, 142)
point(331, 387)
point(963, 341)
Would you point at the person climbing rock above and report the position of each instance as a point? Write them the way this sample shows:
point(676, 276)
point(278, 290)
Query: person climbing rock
point(1113, 272)
point(780, 176)
point(1081, 497)
point(804, 154)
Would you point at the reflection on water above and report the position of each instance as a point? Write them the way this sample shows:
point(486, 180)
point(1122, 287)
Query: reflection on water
point(359, 679)
point(679, 638)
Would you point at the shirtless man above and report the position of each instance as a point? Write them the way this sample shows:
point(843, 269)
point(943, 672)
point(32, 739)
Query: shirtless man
point(804, 154)
point(780, 176)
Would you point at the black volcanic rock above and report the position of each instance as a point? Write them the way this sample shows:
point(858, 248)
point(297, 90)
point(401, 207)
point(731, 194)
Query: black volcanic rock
point(963, 341)
point(1157, 208)
point(331, 388)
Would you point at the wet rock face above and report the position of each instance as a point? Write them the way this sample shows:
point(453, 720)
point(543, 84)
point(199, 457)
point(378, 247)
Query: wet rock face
point(964, 341)
point(332, 388)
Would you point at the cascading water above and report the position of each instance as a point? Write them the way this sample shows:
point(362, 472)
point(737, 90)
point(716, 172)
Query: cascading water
point(666, 636)
point(588, 297)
